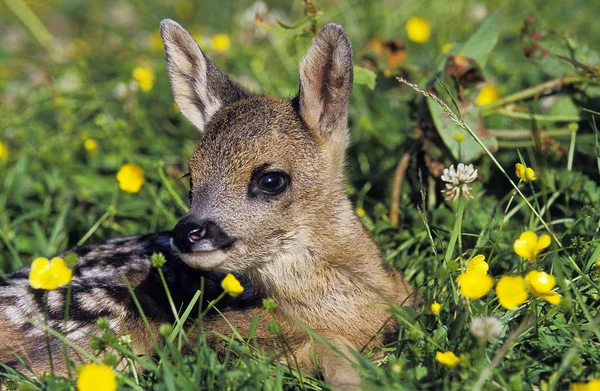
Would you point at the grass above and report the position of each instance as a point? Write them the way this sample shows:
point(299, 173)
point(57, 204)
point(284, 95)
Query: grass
point(66, 77)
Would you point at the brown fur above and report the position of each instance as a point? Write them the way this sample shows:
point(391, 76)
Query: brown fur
point(304, 247)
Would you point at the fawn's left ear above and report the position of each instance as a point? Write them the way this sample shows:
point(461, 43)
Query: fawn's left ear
point(199, 87)
point(326, 76)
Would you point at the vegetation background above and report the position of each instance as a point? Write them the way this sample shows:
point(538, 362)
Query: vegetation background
point(83, 90)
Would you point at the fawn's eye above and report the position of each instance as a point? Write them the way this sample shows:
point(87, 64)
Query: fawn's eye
point(272, 183)
point(265, 183)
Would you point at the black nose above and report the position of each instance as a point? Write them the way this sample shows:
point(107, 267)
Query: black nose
point(203, 235)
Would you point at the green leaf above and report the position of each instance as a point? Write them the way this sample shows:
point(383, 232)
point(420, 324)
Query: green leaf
point(467, 150)
point(481, 44)
point(564, 107)
point(365, 77)
point(558, 53)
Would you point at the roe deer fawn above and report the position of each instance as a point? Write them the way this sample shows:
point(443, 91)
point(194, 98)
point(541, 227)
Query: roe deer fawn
point(268, 203)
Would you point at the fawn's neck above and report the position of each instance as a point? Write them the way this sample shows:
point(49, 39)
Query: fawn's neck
point(330, 271)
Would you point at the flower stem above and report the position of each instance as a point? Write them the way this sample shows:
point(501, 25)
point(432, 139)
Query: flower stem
point(91, 231)
point(487, 371)
point(528, 134)
point(168, 292)
point(572, 150)
point(535, 91)
point(537, 117)
point(456, 234)
point(211, 305)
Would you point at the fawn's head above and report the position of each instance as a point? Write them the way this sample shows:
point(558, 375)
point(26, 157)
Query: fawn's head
point(268, 171)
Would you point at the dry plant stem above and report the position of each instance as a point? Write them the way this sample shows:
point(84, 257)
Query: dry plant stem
point(431, 196)
point(487, 371)
point(311, 11)
point(397, 189)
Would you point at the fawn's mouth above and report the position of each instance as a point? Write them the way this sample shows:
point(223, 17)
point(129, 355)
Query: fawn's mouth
point(206, 260)
point(203, 255)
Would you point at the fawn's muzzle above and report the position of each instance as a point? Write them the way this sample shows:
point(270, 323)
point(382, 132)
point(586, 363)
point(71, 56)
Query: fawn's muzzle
point(204, 235)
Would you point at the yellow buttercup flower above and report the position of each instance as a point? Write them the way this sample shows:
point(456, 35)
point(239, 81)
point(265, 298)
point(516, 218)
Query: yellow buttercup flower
point(511, 291)
point(130, 177)
point(447, 47)
point(488, 94)
point(447, 358)
point(360, 212)
point(540, 284)
point(418, 29)
point(529, 245)
point(96, 377)
point(475, 282)
point(231, 285)
point(525, 174)
point(436, 308)
point(90, 145)
point(221, 43)
point(598, 262)
point(593, 385)
point(477, 264)
point(475, 285)
point(3, 152)
point(49, 275)
point(144, 76)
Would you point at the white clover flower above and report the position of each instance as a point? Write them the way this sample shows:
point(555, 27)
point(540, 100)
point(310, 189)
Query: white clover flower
point(123, 91)
point(478, 12)
point(457, 181)
point(486, 328)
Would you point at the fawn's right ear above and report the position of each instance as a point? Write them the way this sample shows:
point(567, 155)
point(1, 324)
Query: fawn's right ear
point(326, 76)
point(199, 87)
